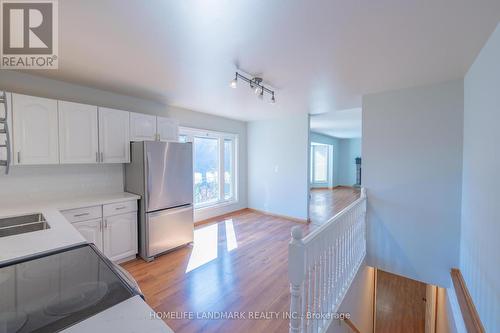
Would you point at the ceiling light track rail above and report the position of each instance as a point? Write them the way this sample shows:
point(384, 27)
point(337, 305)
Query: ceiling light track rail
point(254, 83)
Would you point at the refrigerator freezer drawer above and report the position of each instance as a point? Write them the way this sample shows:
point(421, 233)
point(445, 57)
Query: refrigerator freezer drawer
point(168, 229)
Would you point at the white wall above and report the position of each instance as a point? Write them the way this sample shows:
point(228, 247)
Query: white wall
point(358, 302)
point(412, 166)
point(278, 165)
point(480, 236)
point(42, 182)
point(111, 178)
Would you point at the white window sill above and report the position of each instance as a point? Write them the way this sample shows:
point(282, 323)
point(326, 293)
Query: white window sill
point(215, 205)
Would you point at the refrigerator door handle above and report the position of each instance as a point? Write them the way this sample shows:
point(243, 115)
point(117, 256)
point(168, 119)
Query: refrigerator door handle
point(171, 211)
point(148, 179)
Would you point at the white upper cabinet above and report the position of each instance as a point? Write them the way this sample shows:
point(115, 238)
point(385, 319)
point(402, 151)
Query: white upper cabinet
point(142, 127)
point(168, 129)
point(114, 136)
point(35, 130)
point(78, 133)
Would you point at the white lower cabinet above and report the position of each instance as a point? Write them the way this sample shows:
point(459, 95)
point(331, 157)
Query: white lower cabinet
point(114, 233)
point(120, 236)
point(92, 231)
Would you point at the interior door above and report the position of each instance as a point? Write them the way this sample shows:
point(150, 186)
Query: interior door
point(78, 133)
point(400, 304)
point(169, 175)
point(35, 129)
point(114, 135)
point(168, 229)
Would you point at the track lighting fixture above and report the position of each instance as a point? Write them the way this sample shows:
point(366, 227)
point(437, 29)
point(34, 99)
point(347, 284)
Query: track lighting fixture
point(255, 84)
point(234, 82)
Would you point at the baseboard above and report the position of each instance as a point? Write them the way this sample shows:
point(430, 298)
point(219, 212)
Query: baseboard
point(219, 217)
point(126, 259)
point(294, 219)
point(216, 219)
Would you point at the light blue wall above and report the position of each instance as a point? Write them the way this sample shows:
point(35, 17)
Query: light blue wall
point(480, 232)
point(349, 150)
point(343, 167)
point(412, 170)
point(278, 165)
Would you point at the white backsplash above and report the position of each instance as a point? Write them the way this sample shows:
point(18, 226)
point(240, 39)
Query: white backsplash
point(41, 182)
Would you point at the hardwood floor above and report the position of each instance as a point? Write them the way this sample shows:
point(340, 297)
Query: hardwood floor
point(239, 263)
point(400, 305)
point(325, 203)
point(236, 265)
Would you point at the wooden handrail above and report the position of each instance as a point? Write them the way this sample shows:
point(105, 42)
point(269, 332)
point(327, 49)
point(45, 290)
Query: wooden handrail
point(351, 325)
point(469, 313)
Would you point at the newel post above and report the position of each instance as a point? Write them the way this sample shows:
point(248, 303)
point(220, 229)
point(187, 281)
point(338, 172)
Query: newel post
point(296, 274)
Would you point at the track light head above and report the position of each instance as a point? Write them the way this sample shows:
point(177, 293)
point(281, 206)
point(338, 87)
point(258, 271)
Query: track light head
point(273, 100)
point(234, 82)
point(261, 95)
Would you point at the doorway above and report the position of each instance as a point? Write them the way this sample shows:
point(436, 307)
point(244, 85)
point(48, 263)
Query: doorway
point(334, 163)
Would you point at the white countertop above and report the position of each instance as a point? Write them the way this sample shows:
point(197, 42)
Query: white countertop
point(17, 206)
point(61, 233)
point(131, 316)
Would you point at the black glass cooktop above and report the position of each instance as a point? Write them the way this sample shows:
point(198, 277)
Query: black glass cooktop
point(52, 292)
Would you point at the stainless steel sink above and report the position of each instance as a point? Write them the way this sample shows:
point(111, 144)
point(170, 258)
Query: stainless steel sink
point(22, 224)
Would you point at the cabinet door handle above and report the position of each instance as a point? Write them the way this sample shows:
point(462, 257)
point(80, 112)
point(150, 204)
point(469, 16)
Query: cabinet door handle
point(97, 157)
point(102, 157)
point(105, 223)
point(18, 157)
point(120, 208)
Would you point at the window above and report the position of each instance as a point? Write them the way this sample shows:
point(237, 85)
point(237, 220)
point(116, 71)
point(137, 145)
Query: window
point(214, 165)
point(319, 161)
point(228, 168)
point(206, 170)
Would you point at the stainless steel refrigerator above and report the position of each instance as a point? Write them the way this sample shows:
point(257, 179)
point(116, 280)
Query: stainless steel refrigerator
point(162, 174)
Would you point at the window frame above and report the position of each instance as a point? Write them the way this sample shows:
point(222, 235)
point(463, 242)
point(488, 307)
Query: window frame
point(190, 134)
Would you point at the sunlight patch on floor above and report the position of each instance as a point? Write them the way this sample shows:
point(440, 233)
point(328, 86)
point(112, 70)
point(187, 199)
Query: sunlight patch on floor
point(230, 236)
point(206, 243)
point(205, 246)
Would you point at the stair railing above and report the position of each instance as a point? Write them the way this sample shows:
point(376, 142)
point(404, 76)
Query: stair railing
point(322, 266)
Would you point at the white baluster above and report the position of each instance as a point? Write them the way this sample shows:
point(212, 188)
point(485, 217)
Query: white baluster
point(296, 269)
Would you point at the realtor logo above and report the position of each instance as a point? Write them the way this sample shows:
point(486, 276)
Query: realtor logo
point(29, 34)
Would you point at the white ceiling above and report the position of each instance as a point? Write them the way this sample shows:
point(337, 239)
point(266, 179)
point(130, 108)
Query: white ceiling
point(344, 124)
point(321, 55)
